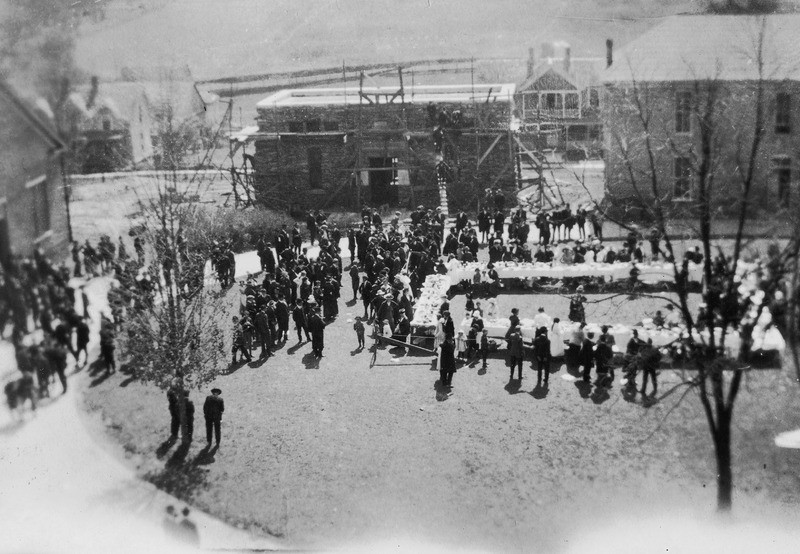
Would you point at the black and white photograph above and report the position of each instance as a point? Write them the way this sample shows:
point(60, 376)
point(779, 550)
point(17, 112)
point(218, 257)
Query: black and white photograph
point(411, 276)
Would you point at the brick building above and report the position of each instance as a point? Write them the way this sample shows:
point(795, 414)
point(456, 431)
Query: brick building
point(692, 70)
point(316, 148)
point(33, 211)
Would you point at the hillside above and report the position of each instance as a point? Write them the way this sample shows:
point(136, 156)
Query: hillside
point(241, 37)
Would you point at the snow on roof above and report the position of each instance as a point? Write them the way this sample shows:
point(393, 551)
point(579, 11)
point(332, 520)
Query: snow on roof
point(724, 47)
point(440, 94)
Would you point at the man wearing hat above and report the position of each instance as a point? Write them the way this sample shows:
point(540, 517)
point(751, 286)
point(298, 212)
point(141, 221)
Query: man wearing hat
point(212, 411)
point(317, 328)
point(403, 328)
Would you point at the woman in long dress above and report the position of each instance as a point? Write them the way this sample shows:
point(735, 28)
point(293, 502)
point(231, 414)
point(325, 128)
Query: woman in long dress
point(556, 339)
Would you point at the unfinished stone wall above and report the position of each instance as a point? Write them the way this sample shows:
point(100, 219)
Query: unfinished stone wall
point(342, 139)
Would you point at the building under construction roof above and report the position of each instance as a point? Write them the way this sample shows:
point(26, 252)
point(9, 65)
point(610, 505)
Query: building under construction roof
point(401, 146)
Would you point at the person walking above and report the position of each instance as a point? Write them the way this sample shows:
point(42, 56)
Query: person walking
point(213, 408)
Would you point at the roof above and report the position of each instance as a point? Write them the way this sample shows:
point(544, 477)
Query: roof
point(30, 111)
point(583, 73)
point(123, 98)
point(440, 94)
point(722, 47)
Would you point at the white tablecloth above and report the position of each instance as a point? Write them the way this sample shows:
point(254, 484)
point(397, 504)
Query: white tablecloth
point(648, 273)
point(769, 340)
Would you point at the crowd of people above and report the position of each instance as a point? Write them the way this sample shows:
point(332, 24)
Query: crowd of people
point(49, 317)
point(387, 269)
point(297, 293)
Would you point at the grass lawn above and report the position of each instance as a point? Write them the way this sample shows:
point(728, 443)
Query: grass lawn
point(336, 453)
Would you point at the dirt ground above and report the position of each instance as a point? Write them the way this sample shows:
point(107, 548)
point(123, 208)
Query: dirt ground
point(341, 453)
point(344, 453)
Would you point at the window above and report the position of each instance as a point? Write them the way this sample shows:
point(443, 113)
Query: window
point(552, 101)
point(331, 125)
point(683, 179)
point(313, 126)
point(571, 101)
point(783, 113)
point(41, 205)
point(315, 167)
point(683, 112)
point(782, 167)
point(594, 98)
point(577, 132)
point(295, 126)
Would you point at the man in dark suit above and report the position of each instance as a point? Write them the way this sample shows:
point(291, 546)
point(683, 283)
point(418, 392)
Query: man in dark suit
point(541, 353)
point(299, 316)
point(213, 408)
point(317, 327)
point(447, 362)
point(516, 352)
point(586, 356)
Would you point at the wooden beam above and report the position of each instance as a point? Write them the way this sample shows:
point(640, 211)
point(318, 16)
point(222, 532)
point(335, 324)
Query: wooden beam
point(488, 151)
point(390, 340)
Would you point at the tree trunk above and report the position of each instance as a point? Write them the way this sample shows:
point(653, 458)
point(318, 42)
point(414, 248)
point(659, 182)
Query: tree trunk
point(182, 416)
point(722, 443)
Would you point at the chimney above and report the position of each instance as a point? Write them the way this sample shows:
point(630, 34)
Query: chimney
point(93, 92)
point(609, 52)
point(531, 61)
point(567, 58)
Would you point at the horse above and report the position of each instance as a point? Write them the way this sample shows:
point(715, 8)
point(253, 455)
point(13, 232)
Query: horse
point(18, 391)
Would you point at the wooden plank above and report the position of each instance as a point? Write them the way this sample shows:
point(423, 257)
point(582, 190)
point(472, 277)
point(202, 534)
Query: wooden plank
point(488, 151)
point(390, 340)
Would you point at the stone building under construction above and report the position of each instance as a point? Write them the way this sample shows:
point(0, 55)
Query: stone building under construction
point(377, 146)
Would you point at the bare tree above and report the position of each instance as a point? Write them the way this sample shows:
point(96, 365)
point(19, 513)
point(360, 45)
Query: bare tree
point(174, 334)
point(722, 161)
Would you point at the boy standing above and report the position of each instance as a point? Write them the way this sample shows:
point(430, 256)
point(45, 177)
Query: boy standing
point(358, 326)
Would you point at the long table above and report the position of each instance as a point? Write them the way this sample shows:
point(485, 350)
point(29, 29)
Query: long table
point(763, 339)
point(648, 273)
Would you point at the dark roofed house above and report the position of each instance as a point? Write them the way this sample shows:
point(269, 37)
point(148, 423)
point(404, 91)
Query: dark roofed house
point(672, 70)
point(33, 211)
